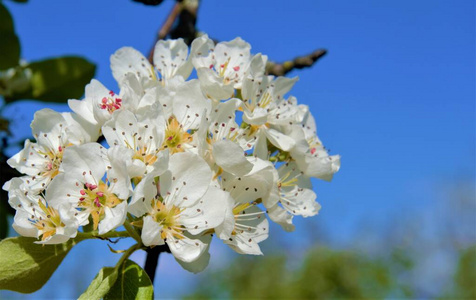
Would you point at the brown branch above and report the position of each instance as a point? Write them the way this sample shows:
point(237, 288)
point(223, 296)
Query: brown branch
point(281, 69)
point(187, 18)
point(165, 29)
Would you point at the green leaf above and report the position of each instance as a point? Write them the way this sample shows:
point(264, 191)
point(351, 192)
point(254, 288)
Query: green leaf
point(57, 79)
point(101, 284)
point(25, 266)
point(9, 45)
point(6, 20)
point(132, 283)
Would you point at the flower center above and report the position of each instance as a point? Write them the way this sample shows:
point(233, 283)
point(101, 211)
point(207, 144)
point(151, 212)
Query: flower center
point(54, 161)
point(176, 137)
point(46, 220)
point(147, 158)
point(167, 217)
point(94, 198)
point(110, 103)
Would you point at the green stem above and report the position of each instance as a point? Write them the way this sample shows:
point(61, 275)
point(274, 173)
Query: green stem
point(132, 232)
point(94, 235)
point(127, 254)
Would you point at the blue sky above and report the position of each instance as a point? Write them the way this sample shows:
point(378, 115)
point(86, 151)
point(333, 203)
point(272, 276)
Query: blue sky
point(395, 96)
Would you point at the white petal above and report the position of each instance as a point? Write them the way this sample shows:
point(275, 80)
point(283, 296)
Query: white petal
point(114, 217)
point(231, 158)
point(201, 52)
point(47, 126)
point(225, 229)
point(59, 189)
point(189, 104)
point(261, 147)
point(280, 216)
point(282, 85)
point(253, 229)
point(22, 226)
point(170, 59)
point(213, 85)
point(197, 265)
point(55, 239)
point(186, 249)
point(84, 162)
point(79, 131)
point(323, 167)
point(207, 213)
point(256, 184)
point(202, 262)
point(186, 181)
point(280, 140)
point(118, 174)
point(83, 108)
point(129, 60)
point(151, 232)
point(144, 192)
point(28, 161)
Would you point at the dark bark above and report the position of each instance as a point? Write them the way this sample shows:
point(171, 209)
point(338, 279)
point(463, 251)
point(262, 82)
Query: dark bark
point(152, 260)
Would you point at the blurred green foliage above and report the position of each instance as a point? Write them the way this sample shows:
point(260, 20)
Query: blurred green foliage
point(10, 45)
point(328, 274)
point(56, 79)
point(323, 274)
point(465, 277)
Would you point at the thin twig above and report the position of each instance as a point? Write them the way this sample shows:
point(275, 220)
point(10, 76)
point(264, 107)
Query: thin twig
point(165, 29)
point(300, 62)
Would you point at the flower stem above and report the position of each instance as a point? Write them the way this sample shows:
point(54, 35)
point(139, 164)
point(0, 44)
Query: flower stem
point(127, 254)
point(132, 232)
point(107, 235)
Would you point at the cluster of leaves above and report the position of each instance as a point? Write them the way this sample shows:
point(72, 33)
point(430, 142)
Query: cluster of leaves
point(50, 80)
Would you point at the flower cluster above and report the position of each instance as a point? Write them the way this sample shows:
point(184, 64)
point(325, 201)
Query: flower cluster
point(174, 159)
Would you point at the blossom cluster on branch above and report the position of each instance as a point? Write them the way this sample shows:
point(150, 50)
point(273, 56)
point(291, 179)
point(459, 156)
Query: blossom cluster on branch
point(178, 159)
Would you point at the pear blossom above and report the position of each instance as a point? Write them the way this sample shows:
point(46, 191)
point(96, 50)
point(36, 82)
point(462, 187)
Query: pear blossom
point(81, 184)
point(222, 142)
point(244, 229)
point(140, 135)
point(268, 114)
point(291, 195)
point(220, 68)
point(186, 203)
point(170, 60)
point(54, 132)
point(309, 153)
point(98, 105)
point(34, 216)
